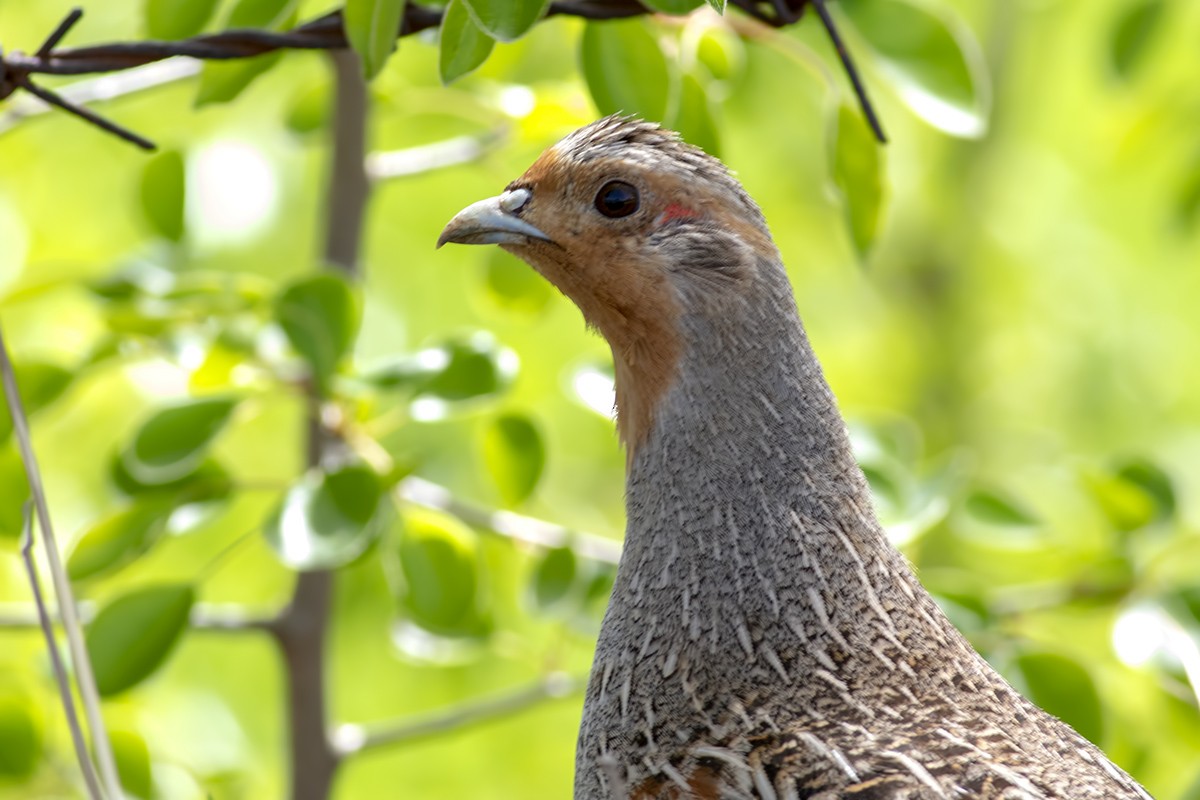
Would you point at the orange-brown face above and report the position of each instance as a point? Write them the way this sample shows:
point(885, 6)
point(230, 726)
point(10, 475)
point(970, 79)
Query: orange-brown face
point(637, 229)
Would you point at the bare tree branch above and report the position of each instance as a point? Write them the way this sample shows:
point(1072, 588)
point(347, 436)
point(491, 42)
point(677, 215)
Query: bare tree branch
point(84, 678)
point(301, 630)
point(102, 88)
point(229, 618)
point(352, 739)
point(60, 671)
point(300, 633)
point(382, 165)
point(860, 91)
point(204, 617)
point(530, 530)
point(428, 157)
point(347, 190)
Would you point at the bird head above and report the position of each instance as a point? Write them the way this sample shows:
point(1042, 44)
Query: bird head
point(643, 232)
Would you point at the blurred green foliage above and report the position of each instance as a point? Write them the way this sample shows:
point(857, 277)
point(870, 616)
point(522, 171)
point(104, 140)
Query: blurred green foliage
point(1005, 306)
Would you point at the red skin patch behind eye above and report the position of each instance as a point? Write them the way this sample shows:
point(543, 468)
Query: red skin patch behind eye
point(675, 211)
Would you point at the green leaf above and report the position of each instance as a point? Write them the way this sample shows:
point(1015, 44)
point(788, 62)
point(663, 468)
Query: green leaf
point(461, 369)
point(118, 539)
point(721, 52)
point(892, 439)
point(136, 281)
point(177, 19)
point(506, 20)
point(20, 737)
point(1132, 34)
point(39, 384)
point(961, 596)
point(462, 45)
point(162, 194)
point(676, 7)
point(327, 520)
point(133, 635)
point(372, 27)
point(1064, 688)
point(209, 481)
point(474, 367)
point(599, 587)
point(933, 60)
point(717, 6)
point(990, 506)
point(858, 175)
point(308, 110)
point(123, 285)
point(965, 618)
point(1134, 495)
point(625, 69)
point(440, 566)
point(409, 372)
point(222, 81)
point(1127, 505)
point(515, 455)
point(885, 487)
point(133, 762)
point(174, 441)
point(1187, 200)
point(554, 577)
point(1154, 481)
point(513, 285)
point(1188, 598)
point(693, 117)
point(320, 316)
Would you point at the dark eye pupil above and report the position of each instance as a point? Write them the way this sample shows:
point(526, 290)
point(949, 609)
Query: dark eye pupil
point(617, 199)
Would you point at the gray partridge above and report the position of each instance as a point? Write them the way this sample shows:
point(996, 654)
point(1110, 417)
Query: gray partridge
point(764, 639)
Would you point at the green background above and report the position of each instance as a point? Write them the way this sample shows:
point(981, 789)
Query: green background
point(1026, 324)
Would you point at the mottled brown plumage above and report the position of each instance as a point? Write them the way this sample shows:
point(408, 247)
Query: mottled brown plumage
point(764, 640)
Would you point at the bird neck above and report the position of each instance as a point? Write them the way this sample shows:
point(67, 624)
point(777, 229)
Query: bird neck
point(748, 517)
point(749, 402)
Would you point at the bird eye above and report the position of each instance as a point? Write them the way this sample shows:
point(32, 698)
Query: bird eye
point(617, 199)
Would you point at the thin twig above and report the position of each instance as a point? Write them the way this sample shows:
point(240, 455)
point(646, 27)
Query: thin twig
point(56, 661)
point(84, 678)
point(57, 36)
point(104, 87)
point(84, 113)
point(860, 91)
point(382, 165)
point(428, 157)
point(221, 617)
point(229, 618)
point(351, 739)
point(530, 530)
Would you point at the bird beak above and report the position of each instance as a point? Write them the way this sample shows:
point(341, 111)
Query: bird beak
point(492, 221)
